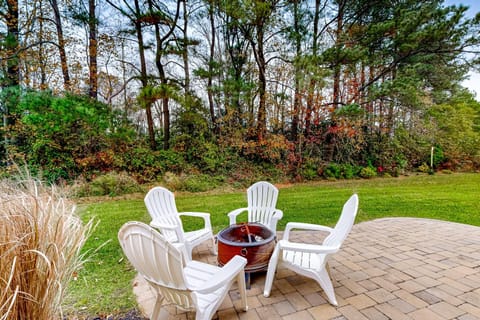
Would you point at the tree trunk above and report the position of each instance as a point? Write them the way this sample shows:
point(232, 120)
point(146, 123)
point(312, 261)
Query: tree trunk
point(296, 98)
point(210, 68)
point(144, 76)
point(61, 45)
point(185, 48)
point(259, 54)
point(313, 83)
point(161, 70)
point(337, 66)
point(165, 108)
point(92, 49)
point(262, 89)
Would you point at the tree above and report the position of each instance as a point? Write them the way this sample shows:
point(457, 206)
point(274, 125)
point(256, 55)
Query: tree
point(162, 40)
point(134, 15)
point(61, 44)
point(253, 19)
point(86, 14)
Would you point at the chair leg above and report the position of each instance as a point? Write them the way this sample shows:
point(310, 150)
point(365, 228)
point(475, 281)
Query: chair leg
point(324, 281)
point(156, 309)
point(243, 290)
point(272, 267)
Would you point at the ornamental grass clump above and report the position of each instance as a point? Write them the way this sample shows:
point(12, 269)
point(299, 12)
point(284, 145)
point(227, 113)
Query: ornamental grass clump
point(40, 242)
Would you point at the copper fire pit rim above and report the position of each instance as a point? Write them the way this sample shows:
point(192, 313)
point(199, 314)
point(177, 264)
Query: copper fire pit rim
point(265, 240)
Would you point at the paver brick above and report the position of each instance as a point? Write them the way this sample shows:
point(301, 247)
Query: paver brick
point(268, 312)
point(391, 312)
point(302, 315)
point(351, 313)
point(424, 314)
point(284, 308)
point(315, 299)
point(471, 297)
point(446, 310)
point(380, 295)
point(368, 285)
point(438, 292)
point(361, 301)
point(427, 297)
point(402, 305)
point(374, 314)
point(410, 298)
point(467, 307)
point(411, 286)
point(385, 284)
point(297, 301)
point(324, 311)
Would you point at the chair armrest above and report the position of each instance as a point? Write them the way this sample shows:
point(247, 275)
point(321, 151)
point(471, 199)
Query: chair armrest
point(195, 214)
point(278, 214)
point(159, 225)
point(306, 247)
point(204, 215)
point(233, 215)
point(175, 228)
point(226, 274)
point(304, 226)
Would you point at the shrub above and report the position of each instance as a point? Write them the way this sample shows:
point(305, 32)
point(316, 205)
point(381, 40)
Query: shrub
point(40, 242)
point(272, 149)
point(62, 136)
point(147, 165)
point(308, 170)
point(332, 171)
point(341, 171)
point(349, 171)
point(424, 168)
point(368, 172)
point(111, 184)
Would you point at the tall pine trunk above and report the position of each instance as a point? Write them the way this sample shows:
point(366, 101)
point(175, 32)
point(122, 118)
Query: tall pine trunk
point(297, 75)
point(211, 16)
point(337, 66)
point(61, 45)
point(144, 76)
point(92, 50)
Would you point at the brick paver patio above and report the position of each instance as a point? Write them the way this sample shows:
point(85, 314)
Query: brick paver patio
point(394, 268)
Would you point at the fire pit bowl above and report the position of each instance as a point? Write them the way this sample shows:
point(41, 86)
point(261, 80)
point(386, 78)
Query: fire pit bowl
point(253, 241)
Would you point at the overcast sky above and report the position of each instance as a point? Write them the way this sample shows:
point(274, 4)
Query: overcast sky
point(474, 6)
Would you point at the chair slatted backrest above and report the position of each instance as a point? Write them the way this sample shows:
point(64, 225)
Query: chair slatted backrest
point(344, 224)
point(157, 260)
point(160, 203)
point(262, 200)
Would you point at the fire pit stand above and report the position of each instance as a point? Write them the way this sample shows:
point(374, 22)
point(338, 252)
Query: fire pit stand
point(253, 241)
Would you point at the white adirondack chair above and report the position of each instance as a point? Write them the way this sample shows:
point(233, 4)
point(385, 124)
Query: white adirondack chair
point(190, 285)
point(160, 203)
point(310, 260)
point(261, 199)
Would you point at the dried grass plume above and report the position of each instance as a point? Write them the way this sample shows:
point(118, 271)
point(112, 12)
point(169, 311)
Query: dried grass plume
point(40, 242)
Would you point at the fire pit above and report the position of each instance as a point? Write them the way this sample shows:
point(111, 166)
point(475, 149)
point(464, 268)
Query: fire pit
point(253, 241)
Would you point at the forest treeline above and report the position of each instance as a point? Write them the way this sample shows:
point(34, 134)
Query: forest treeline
point(237, 90)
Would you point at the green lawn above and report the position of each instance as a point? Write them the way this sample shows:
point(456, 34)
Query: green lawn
point(104, 285)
